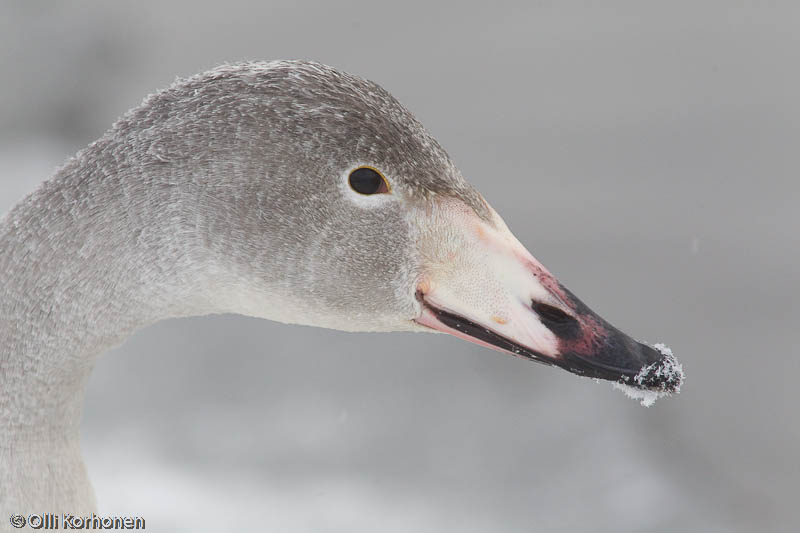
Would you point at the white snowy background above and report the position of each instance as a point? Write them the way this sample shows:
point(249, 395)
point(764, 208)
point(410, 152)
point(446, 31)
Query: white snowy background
point(646, 152)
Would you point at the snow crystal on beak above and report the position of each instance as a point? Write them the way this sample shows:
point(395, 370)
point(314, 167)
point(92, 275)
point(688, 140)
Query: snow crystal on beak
point(666, 370)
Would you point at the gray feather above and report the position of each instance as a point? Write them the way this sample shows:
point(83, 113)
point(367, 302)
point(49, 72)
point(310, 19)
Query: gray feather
point(222, 193)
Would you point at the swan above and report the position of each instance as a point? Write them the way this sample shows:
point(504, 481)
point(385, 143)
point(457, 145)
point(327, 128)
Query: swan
point(285, 190)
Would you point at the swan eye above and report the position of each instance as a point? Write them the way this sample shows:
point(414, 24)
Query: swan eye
point(366, 180)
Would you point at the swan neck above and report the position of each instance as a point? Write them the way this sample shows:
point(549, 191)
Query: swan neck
point(86, 260)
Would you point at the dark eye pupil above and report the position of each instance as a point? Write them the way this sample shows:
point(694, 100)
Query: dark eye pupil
point(366, 181)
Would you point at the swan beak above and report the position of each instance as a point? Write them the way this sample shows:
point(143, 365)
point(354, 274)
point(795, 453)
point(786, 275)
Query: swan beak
point(582, 343)
point(493, 292)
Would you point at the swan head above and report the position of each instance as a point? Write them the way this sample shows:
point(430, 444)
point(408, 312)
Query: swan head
point(325, 202)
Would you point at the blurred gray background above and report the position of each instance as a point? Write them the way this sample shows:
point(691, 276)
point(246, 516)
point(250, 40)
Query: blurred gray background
point(646, 152)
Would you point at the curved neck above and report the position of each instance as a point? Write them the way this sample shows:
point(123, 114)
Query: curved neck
point(97, 252)
point(102, 249)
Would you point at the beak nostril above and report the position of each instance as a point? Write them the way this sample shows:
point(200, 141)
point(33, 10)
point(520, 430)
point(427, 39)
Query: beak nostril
point(556, 320)
point(548, 312)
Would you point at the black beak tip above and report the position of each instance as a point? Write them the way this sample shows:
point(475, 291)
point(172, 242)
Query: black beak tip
point(604, 352)
point(661, 373)
point(630, 363)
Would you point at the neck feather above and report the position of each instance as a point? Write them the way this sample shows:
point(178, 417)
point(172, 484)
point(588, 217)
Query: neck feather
point(99, 251)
